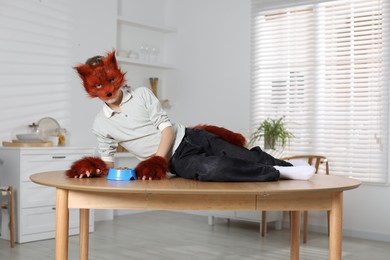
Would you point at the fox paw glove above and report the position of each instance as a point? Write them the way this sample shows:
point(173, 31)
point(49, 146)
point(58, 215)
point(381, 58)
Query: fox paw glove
point(154, 168)
point(88, 167)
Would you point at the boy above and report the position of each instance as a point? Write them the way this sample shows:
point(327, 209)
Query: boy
point(135, 119)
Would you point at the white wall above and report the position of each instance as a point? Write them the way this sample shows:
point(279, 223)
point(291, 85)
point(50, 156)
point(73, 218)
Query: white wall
point(210, 85)
point(212, 79)
point(367, 212)
point(94, 34)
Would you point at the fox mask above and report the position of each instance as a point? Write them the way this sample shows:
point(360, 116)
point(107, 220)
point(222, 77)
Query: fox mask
point(101, 76)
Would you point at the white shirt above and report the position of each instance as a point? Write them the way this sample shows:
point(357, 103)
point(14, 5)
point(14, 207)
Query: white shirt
point(137, 127)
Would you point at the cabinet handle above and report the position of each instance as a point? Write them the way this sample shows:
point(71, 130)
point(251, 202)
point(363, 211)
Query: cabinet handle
point(54, 208)
point(59, 157)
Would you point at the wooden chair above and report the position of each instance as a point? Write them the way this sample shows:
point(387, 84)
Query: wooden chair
point(315, 161)
point(8, 202)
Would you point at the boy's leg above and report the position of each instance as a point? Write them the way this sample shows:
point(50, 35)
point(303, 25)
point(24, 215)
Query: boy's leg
point(204, 156)
point(214, 145)
point(192, 162)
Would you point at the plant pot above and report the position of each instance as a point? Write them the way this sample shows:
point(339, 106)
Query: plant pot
point(269, 143)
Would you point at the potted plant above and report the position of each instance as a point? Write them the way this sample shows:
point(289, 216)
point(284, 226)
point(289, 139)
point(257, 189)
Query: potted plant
point(274, 132)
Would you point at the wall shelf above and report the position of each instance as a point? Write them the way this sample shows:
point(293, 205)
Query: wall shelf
point(148, 26)
point(138, 62)
point(133, 34)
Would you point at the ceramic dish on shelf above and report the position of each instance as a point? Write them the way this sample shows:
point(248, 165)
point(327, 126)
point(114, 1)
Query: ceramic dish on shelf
point(28, 138)
point(48, 127)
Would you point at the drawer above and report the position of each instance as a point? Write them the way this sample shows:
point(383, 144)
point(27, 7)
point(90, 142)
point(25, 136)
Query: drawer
point(43, 219)
point(35, 195)
point(46, 162)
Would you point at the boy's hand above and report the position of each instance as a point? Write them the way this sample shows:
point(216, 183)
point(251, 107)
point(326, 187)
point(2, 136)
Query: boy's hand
point(87, 167)
point(154, 168)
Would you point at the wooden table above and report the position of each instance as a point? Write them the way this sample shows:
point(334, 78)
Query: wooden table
point(319, 193)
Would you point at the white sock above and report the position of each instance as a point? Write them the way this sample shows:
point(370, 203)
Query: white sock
point(302, 172)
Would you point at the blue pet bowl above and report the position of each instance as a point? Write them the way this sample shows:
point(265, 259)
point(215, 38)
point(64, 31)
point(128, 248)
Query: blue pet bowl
point(121, 174)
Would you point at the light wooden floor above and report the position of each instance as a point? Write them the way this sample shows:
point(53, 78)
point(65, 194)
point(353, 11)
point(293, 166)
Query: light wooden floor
point(173, 236)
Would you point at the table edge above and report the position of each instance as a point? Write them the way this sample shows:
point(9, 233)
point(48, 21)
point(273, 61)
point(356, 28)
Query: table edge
point(196, 186)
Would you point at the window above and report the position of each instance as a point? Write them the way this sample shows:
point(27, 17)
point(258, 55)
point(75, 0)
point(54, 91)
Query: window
point(35, 65)
point(324, 65)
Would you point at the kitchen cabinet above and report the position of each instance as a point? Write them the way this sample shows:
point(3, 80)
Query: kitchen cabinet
point(35, 205)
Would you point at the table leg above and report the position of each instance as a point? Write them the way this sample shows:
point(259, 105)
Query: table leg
point(263, 222)
point(62, 224)
point(84, 233)
point(336, 227)
point(12, 216)
point(295, 234)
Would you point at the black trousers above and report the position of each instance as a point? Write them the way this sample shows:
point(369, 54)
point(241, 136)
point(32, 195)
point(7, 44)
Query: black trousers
point(204, 156)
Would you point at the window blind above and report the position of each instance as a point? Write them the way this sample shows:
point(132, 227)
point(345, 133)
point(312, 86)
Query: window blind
point(34, 63)
point(325, 66)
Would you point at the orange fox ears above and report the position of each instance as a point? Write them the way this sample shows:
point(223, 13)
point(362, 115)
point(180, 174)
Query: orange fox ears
point(83, 70)
point(110, 60)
